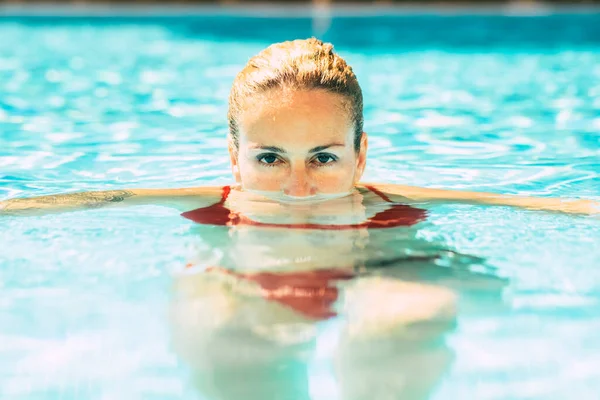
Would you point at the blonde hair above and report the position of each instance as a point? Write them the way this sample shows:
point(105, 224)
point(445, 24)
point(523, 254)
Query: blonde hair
point(299, 64)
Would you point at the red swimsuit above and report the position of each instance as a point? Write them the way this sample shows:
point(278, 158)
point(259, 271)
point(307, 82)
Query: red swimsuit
point(395, 216)
point(311, 293)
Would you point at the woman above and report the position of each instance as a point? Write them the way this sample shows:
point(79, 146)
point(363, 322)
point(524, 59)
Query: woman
point(299, 224)
point(295, 133)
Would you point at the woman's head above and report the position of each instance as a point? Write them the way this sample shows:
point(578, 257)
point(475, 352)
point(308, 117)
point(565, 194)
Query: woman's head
point(296, 121)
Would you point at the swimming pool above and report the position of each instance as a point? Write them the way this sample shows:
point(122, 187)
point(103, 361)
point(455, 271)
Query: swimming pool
point(479, 102)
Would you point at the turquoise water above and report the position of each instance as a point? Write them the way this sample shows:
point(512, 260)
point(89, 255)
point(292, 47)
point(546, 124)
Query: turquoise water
point(502, 104)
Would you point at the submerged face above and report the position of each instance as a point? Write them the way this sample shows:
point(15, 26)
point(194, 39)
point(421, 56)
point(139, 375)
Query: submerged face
point(297, 142)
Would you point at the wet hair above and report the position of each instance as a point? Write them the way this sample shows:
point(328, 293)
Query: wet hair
point(307, 64)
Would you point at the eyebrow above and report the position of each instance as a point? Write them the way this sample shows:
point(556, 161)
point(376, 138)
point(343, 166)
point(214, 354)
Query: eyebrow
point(317, 149)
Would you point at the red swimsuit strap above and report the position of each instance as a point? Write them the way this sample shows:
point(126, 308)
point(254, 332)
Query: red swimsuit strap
point(379, 193)
point(224, 195)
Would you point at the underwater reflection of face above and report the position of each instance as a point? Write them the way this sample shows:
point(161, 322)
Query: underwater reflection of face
point(297, 142)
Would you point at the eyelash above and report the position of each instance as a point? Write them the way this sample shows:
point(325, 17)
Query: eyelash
point(260, 157)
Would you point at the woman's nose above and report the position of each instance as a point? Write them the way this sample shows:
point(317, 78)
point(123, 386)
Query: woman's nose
point(299, 183)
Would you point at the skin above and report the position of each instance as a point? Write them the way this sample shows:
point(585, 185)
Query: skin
point(298, 142)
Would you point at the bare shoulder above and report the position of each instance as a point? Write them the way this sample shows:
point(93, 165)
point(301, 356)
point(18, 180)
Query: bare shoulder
point(396, 193)
point(419, 193)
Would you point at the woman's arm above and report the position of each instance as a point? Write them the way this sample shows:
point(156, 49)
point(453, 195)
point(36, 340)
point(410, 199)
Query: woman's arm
point(184, 199)
point(571, 206)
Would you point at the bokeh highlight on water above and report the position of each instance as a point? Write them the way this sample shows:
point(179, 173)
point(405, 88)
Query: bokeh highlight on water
point(495, 103)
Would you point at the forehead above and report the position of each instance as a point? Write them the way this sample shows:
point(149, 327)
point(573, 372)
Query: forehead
point(301, 118)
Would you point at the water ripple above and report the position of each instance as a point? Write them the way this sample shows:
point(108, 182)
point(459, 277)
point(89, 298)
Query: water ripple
point(457, 102)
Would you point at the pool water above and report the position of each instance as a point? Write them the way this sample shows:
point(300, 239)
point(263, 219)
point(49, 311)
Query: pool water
point(508, 104)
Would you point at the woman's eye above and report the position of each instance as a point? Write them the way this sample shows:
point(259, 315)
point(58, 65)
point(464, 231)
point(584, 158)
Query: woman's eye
point(325, 158)
point(267, 158)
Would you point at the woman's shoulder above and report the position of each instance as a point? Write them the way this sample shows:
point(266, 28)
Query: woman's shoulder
point(390, 193)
